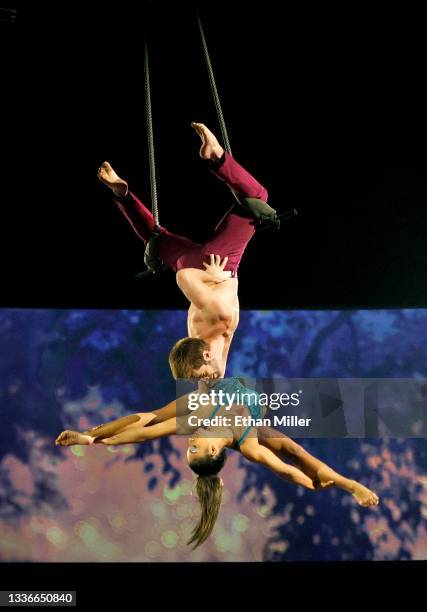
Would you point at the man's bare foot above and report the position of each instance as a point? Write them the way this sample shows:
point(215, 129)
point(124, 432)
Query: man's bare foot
point(364, 496)
point(70, 438)
point(210, 149)
point(117, 185)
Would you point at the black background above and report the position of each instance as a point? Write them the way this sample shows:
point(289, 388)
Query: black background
point(270, 585)
point(325, 106)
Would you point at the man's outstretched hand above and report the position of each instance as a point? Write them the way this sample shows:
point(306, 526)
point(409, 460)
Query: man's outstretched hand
point(215, 269)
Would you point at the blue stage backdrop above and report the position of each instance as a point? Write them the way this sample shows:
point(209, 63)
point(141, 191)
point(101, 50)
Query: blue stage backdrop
point(74, 368)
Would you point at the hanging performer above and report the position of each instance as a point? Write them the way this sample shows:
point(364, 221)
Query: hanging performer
point(210, 286)
point(208, 445)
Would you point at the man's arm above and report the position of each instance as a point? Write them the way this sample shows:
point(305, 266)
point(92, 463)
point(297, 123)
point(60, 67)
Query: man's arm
point(253, 451)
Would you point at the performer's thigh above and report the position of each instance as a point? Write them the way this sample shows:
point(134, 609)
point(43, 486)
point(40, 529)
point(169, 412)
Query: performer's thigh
point(172, 247)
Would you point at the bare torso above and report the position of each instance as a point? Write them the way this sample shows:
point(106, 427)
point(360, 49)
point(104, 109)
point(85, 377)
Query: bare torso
point(201, 325)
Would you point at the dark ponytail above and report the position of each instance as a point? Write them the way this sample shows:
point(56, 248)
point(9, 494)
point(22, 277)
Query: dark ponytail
point(209, 491)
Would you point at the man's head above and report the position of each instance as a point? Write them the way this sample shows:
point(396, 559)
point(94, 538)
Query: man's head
point(192, 358)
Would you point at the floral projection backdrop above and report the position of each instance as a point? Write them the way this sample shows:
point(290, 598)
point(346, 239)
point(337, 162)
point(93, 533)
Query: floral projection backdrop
point(74, 368)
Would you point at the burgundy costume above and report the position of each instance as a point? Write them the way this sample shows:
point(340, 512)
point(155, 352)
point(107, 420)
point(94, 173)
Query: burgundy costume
point(230, 236)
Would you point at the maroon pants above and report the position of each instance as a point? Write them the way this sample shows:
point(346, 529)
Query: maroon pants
point(230, 236)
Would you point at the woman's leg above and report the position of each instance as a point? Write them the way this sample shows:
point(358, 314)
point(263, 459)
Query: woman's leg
point(322, 475)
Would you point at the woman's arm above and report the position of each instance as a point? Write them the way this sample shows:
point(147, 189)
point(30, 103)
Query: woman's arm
point(140, 419)
point(131, 425)
point(142, 434)
point(170, 410)
point(257, 453)
point(132, 434)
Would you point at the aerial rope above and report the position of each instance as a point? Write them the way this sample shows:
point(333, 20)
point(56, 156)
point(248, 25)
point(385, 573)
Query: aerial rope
point(264, 216)
point(214, 89)
point(150, 134)
point(151, 260)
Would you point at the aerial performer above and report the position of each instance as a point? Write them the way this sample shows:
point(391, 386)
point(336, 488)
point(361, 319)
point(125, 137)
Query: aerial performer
point(205, 273)
point(208, 445)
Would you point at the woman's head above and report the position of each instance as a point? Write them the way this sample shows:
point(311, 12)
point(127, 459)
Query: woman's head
point(206, 458)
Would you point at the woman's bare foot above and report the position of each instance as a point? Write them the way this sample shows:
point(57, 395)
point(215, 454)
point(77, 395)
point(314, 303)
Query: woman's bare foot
point(210, 149)
point(70, 438)
point(117, 185)
point(322, 484)
point(364, 496)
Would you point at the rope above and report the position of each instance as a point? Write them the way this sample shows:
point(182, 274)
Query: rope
point(151, 159)
point(214, 89)
point(284, 215)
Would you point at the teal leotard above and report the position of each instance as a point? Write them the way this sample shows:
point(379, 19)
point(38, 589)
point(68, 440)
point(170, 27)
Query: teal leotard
point(233, 385)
